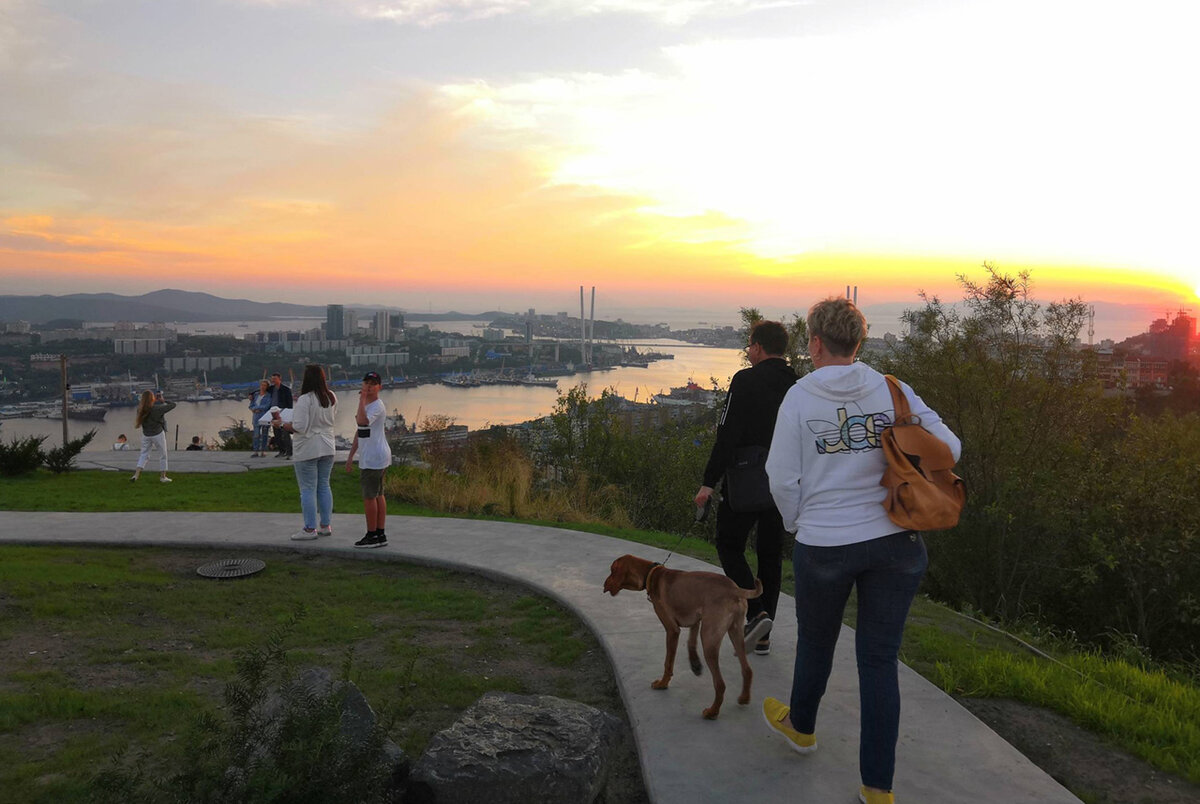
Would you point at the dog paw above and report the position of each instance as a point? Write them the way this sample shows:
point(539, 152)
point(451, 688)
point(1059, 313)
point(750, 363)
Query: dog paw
point(711, 713)
point(697, 668)
point(660, 684)
point(743, 700)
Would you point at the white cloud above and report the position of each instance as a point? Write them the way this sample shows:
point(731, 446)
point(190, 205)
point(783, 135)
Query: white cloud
point(437, 12)
point(1049, 130)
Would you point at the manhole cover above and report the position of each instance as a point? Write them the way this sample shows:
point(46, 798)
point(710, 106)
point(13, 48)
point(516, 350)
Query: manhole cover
point(231, 568)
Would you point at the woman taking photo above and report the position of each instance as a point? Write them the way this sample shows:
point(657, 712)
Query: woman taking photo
point(825, 465)
point(313, 448)
point(151, 417)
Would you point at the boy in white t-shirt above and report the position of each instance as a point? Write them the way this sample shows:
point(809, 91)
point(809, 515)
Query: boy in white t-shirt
point(375, 458)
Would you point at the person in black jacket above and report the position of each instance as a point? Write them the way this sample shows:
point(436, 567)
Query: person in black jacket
point(749, 421)
point(281, 397)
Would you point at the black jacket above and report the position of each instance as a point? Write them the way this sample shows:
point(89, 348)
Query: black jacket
point(755, 395)
point(284, 398)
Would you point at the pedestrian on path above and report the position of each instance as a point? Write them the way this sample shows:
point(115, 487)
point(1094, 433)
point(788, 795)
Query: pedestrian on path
point(744, 435)
point(375, 458)
point(312, 424)
point(151, 417)
point(260, 403)
point(825, 481)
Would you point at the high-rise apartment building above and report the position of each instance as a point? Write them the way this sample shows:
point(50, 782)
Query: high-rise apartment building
point(335, 322)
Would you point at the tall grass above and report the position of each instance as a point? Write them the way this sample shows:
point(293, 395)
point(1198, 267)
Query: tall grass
point(498, 478)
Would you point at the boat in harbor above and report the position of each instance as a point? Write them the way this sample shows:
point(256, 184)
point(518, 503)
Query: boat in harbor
point(89, 413)
point(542, 382)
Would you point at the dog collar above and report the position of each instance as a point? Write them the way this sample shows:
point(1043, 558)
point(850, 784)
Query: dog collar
point(653, 567)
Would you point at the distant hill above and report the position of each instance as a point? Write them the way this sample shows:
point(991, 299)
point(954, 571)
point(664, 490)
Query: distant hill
point(179, 305)
point(160, 305)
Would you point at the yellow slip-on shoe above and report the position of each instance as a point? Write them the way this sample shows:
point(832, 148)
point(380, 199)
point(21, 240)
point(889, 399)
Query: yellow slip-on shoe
point(875, 796)
point(774, 712)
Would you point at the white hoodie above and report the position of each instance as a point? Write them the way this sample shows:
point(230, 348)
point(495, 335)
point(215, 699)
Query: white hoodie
point(826, 460)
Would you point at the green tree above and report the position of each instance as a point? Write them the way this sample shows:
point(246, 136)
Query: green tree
point(1005, 373)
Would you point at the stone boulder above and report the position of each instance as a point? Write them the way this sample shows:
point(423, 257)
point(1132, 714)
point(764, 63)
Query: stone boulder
point(514, 749)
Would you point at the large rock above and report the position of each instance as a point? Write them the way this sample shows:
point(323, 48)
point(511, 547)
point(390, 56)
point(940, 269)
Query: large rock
point(514, 749)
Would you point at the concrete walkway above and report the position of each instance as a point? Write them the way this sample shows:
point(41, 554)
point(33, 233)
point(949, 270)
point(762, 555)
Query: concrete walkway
point(945, 755)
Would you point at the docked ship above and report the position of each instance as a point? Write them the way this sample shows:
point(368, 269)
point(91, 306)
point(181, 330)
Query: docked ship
point(90, 413)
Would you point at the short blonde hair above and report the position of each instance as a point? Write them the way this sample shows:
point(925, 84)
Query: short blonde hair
point(839, 325)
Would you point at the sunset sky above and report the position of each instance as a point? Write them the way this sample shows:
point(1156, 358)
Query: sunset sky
point(687, 155)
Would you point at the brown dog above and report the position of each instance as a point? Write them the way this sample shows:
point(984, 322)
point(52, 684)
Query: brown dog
point(703, 602)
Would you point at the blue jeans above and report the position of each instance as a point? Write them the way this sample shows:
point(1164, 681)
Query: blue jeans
point(260, 436)
point(313, 478)
point(886, 572)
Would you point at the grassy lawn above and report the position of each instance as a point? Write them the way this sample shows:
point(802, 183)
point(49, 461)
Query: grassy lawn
point(105, 648)
point(1150, 712)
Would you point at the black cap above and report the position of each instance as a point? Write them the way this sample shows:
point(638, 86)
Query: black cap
point(372, 377)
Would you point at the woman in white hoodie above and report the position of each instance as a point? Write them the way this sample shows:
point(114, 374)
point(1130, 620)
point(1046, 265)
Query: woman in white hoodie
point(313, 448)
point(825, 465)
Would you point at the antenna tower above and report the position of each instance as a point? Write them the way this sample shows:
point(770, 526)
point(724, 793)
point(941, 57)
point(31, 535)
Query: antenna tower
point(1091, 324)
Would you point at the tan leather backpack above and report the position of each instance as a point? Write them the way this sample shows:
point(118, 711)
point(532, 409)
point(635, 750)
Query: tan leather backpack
point(922, 491)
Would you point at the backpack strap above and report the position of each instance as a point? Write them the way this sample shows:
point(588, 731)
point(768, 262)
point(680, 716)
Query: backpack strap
point(903, 412)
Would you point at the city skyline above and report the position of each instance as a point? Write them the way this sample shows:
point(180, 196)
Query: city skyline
point(484, 154)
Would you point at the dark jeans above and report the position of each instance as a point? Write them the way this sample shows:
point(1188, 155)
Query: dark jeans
point(886, 572)
point(283, 439)
point(733, 530)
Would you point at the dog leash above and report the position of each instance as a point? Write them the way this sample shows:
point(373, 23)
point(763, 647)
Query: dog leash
point(702, 512)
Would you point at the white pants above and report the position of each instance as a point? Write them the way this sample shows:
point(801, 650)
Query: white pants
point(159, 441)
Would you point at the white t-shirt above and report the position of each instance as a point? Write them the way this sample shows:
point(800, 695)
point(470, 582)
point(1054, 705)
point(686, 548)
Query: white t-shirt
point(373, 449)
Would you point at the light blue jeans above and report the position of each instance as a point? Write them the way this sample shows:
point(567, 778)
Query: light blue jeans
point(313, 478)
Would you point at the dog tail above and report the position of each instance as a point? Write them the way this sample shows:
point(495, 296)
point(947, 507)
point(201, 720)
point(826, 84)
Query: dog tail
point(751, 593)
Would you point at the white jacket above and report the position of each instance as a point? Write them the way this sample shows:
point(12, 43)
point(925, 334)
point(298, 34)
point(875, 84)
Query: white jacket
point(826, 460)
point(314, 428)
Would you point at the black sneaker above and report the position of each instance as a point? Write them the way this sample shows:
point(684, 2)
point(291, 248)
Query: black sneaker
point(762, 647)
point(758, 628)
point(372, 540)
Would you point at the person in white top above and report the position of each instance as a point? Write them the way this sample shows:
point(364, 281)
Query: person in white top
point(825, 465)
point(373, 460)
point(312, 450)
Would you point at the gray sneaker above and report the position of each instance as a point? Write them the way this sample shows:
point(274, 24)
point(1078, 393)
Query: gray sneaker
point(304, 535)
point(758, 628)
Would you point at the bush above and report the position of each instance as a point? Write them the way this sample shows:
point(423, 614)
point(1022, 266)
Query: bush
point(21, 456)
point(262, 747)
point(62, 459)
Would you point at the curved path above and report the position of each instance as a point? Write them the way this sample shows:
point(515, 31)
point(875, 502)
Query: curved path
point(945, 755)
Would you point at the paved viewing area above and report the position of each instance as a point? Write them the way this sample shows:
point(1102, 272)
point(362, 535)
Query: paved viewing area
point(945, 755)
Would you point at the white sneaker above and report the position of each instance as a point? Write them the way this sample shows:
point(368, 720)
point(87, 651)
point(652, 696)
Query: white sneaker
point(164, 480)
point(304, 535)
point(325, 531)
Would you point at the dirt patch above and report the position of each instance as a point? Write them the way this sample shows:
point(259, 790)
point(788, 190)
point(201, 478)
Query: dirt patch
point(1078, 759)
